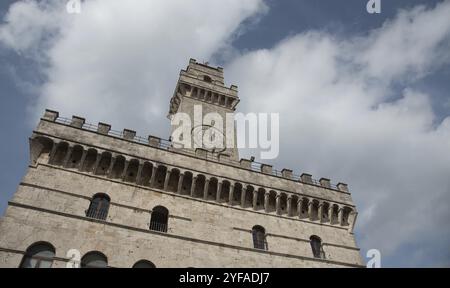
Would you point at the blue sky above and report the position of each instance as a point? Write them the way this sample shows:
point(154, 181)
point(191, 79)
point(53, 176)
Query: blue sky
point(387, 140)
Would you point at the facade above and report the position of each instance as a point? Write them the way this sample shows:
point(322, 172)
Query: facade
point(96, 197)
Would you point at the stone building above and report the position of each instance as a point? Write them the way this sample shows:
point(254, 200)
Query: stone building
point(97, 197)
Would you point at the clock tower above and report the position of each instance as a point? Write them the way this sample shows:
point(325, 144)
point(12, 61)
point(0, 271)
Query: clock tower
point(201, 95)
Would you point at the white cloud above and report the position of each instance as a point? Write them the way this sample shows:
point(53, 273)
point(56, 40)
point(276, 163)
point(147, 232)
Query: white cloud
point(331, 94)
point(118, 60)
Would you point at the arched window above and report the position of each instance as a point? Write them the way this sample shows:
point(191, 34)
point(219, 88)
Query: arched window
point(98, 209)
point(259, 237)
point(144, 264)
point(316, 246)
point(38, 255)
point(159, 218)
point(94, 259)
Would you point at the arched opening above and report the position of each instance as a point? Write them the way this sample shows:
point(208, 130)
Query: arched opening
point(283, 204)
point(99, 207)
point(208, 97)
point(144, 264)
point(215, 98)
point(160, 177)
point(173, 180)
point(187, 184)
point(316, 246)
point(272, 201)
point(294, 206)
point(118, 167)
point(248, 197)
point(237, 194)
point(194, 93)
point(225, 193)
point(41, 148)
point(229, 101)
point(201, 94)
point(199, 186)
point(159, 219)
point(222, 100)
point(90, 160)
point(212, 189)
point(60, 153)
point(346, 215)
point(315, 210)
point(103, 165)
point(259, 237)
point(335, 215)
point(75, 157)
point(38, 255)
point(94, 259)
point(132, 170)
point(304, 208)
point(325, 209)
point(260, 199)
point(146, 174)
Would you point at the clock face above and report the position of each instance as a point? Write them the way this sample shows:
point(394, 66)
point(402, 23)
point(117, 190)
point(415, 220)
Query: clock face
point(207, 134)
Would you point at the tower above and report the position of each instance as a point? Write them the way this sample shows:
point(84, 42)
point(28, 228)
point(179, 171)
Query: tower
point(200, 91)
point(95, 197)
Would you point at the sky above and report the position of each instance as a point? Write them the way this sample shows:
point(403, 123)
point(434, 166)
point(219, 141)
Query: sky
point(363, 98)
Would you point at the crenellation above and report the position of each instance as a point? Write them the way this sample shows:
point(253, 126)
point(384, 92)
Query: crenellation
point(306, 178)
point(154, 141)
point(325, 182)
point(51, 115)
point(342, 187)
point(245, 163)
point(128, 134)
point(201, 153)
point(77, 121)
point(267, 169)
point(103, 128)
point(287, 173)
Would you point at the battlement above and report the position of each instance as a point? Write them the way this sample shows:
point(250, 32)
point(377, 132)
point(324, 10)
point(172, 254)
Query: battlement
point(159, 143)
point(205, 73)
